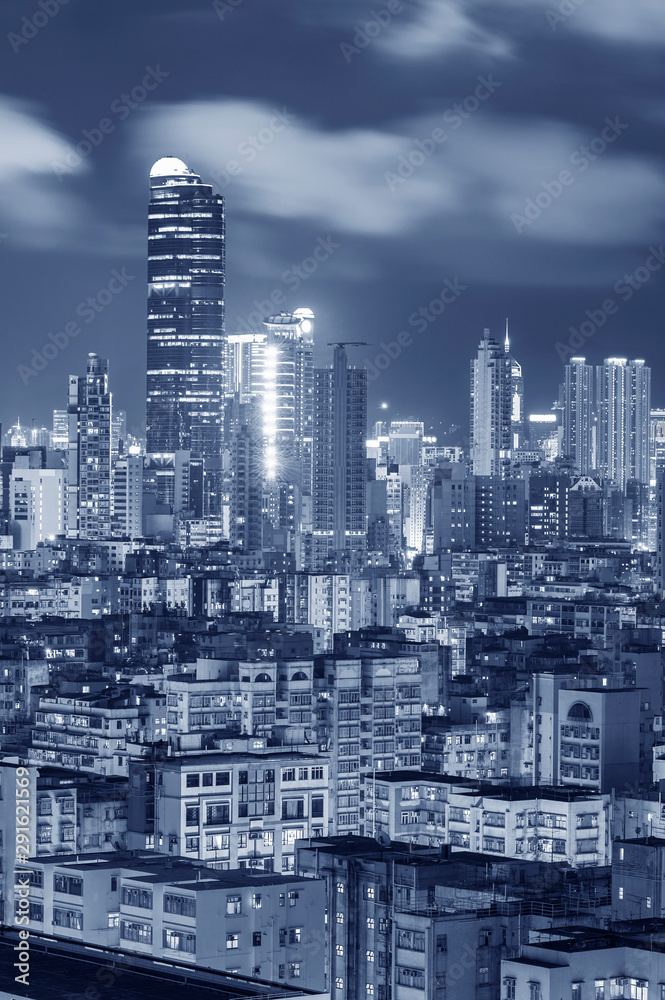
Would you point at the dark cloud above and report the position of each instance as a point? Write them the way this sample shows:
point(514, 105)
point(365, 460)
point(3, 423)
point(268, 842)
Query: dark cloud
point(324, 175)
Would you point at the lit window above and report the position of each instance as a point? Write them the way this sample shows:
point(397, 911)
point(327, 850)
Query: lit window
point(231, 940)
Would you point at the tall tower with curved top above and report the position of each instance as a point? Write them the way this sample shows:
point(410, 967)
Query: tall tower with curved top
point(186, 275)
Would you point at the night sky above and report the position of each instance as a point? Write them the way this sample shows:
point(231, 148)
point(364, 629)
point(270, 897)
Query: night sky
point(360, 153)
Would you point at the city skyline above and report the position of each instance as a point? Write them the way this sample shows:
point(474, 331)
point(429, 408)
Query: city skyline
point(332, 499)
point(390, 252)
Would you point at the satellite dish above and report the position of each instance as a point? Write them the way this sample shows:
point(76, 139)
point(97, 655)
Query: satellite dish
point(383, 839)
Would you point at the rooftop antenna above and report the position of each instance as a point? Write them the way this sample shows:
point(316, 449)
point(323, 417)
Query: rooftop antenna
point(507, 345)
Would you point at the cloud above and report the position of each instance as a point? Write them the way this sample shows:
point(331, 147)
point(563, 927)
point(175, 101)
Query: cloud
point(638, 22)
point(431, 27)
point(35, 209)
point(363, 181)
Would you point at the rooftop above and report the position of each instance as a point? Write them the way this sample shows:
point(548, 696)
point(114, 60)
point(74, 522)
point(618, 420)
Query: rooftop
point(68, 970)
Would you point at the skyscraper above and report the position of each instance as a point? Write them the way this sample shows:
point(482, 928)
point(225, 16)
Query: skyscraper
point(286, 394)
point(89, 494)
point(338, 459)
point(623, 403)
point(492, 407)
point(186, 274)
point(579, 435)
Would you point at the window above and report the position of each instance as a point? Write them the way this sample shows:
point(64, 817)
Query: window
point(289, 774)
point(192, 815)
point(293, 898)
point(509, 985)
point(369, 955)
point(293, 809)
point(483, 975)
point(370, 923)
point(576, 991)
point(191, 845)
point(133, 896)
point(192, 781)
point(339, 950)
point(179, 941)
point(113, 920)
point(131, 931)
point(217, 814)
point(369, 989)
point(72, 919)
point(340, 918)
point(256, 939)
point(184, 906)
point(599, 989)
point(68, 884)
point(294, 970)
point(339, 983)
point(442, 942)
point(233, 904)
point(223, 778)
point(231, 940)
point(295, 933)
point(206, 779)
point(317, 805)
point(369, 892)
point(535, 992)
point(620, 892)
point(256, 901)
point(303, 774)
point(317, 774)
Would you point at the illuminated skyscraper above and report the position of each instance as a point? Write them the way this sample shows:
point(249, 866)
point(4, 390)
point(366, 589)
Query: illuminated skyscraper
point(579, 436)
point(286, 394)
point(623, 402)
point(492, 408)
point(186, 272)
point(89, 499)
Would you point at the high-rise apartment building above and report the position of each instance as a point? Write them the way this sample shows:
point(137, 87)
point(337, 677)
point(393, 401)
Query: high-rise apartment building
point(128, 497)
point(89, 487)
point(623, 403)
point(186, 272)
point(579, 434)
point(338, 462)
point(284, 374)
point(496, 398)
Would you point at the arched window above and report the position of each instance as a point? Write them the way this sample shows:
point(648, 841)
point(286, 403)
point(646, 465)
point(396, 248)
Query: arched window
point(299, 676)
point(579, 711)
point(262, 678)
